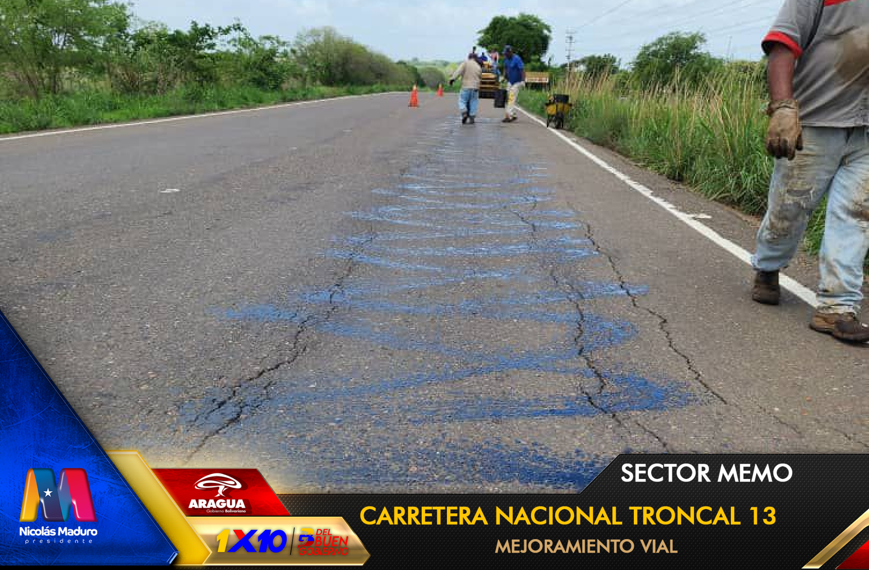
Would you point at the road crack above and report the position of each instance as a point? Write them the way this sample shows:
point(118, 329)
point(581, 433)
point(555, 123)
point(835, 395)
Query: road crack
point(663, 322)
point(575, 298)
point(249, 394)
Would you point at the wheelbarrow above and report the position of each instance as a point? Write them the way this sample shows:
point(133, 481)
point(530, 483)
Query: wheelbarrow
point(557, 108)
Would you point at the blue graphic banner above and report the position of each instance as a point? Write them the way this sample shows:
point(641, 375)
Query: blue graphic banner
point(56, 479)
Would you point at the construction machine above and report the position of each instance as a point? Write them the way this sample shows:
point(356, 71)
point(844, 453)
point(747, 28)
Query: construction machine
point(489, 81)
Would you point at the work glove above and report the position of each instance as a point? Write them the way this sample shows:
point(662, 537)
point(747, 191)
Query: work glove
point(785, 135)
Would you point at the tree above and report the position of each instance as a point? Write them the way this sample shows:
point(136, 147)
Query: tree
point(598, 65)
point(153, 59)
point(674, 55)
point(41, 39)
point(432, 77)
point(412, 72)
point(262, 62)
point(529, 36)
point(326, 57)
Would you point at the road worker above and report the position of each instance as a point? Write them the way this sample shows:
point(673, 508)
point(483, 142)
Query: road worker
point(819, 114)
point(469, 97)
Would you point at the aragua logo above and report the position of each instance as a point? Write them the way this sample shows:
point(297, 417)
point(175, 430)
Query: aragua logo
point(72, 493)
point(218, 481)
point(221, 482)
point(221, 492)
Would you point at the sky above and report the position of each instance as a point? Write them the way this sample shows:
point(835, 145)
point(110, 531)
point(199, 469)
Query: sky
point(447, 29)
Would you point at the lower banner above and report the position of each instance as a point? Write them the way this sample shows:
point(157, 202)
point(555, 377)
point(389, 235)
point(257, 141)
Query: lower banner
point(643, 511)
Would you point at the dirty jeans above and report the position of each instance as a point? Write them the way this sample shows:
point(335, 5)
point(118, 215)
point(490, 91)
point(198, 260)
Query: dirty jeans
point(835, 162)
point(469, 101)
point(513, 98)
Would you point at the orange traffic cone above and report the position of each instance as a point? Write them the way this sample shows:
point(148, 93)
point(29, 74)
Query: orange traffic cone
point(440, 90)
point(414, 97)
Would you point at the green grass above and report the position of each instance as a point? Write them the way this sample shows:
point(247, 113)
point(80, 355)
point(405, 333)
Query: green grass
point(710, 138)
point(98, 107)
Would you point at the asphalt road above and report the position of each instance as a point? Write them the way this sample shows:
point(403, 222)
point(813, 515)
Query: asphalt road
point(354, 295)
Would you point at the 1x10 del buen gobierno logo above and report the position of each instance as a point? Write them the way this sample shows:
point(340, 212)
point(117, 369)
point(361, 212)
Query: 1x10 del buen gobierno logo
point(56, 500)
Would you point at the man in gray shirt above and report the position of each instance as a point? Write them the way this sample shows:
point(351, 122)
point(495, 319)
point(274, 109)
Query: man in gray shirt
point(819, 114)
point(469, 97)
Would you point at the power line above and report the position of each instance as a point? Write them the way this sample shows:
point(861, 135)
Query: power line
point(605, 14)
point(720, 10)
point(626, 48)
point(736, 28)
point(657, 10)
point(733, 6)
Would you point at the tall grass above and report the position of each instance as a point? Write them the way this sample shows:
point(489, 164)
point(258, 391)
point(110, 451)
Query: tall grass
point(100, 106)
point(710, 136)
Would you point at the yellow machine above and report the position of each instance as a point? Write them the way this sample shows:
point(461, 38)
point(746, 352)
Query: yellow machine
point(489, 82)
point(557, 109)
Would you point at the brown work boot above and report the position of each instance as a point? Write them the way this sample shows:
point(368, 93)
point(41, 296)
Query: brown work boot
point(766, 288)
point(843, 326)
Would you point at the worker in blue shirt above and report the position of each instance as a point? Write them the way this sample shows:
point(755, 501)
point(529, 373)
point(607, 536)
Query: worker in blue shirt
point(514, 71)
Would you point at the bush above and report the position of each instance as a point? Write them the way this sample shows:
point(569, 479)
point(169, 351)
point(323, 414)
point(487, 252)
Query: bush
point(708, 135)
point(432, 77)
point(95, 107)
point(328, 58)
point(264, 62)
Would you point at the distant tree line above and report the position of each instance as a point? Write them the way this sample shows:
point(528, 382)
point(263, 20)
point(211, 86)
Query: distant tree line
point(674, 57)
point(677, 57)
point(51, 46)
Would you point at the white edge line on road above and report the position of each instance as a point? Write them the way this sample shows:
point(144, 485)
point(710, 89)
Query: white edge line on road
point(184, 117)
point(788, 283)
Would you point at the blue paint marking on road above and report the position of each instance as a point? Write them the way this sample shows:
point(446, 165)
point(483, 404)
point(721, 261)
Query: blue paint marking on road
point(457, 223)
point(263, 313)
point(383, 261)
point(488, 250)
point(540, 196)
point(509, 307)
point(388, 214)
point(463, 233)
point(625, 394)
point(402, 338)
point(436, 205)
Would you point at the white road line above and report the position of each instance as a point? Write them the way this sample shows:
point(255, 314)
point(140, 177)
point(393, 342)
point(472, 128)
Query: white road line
point(788, 283)
point(183, 118)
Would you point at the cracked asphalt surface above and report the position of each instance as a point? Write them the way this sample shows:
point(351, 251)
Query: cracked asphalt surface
point(357, 296)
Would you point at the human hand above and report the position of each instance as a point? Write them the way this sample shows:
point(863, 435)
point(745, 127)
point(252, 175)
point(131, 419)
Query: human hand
point(785, 135)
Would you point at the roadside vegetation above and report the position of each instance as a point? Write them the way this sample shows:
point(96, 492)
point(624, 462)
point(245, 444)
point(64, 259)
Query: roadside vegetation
point(79, 62)
point(682, 113)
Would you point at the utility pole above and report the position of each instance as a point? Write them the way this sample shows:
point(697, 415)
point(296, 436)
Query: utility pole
point(570, 40)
